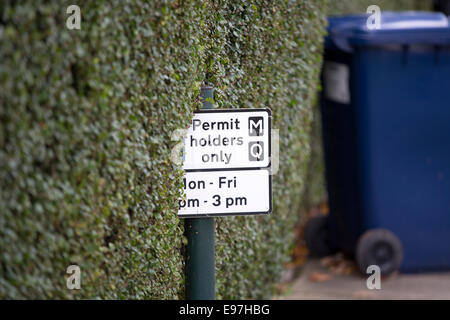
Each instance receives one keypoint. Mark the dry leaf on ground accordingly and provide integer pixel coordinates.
(319, 277)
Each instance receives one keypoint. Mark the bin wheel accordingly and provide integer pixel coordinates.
(316, 236)
(379, 247)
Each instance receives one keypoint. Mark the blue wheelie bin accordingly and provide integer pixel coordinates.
(386, 127)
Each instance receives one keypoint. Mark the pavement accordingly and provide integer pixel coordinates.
(318, 281)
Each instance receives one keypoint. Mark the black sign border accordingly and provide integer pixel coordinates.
(226, 214)
(268, 167)
(240, 110)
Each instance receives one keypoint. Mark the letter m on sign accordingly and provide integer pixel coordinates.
(255, 126)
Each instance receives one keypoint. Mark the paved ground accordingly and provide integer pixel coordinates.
(318, 282)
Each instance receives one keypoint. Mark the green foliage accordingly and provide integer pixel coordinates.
(86, 118)
(273, 59)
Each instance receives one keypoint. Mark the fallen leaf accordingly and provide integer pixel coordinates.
(319, 277)
(364, 294)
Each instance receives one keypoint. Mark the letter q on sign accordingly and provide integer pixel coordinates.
(256, 151)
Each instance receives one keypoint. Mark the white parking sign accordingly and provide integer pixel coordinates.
(228, 139)
(227, 162)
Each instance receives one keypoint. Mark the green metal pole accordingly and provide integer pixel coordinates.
(199, 254)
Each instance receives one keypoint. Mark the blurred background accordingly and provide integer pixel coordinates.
(382, 130)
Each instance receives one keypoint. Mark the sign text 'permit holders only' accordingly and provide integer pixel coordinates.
(228, 139)
(227, 163)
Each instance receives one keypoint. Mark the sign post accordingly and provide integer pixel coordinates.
(199, 255)
(227, 162)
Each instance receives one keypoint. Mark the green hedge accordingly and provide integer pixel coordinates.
(86, 118)
(273, 61)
